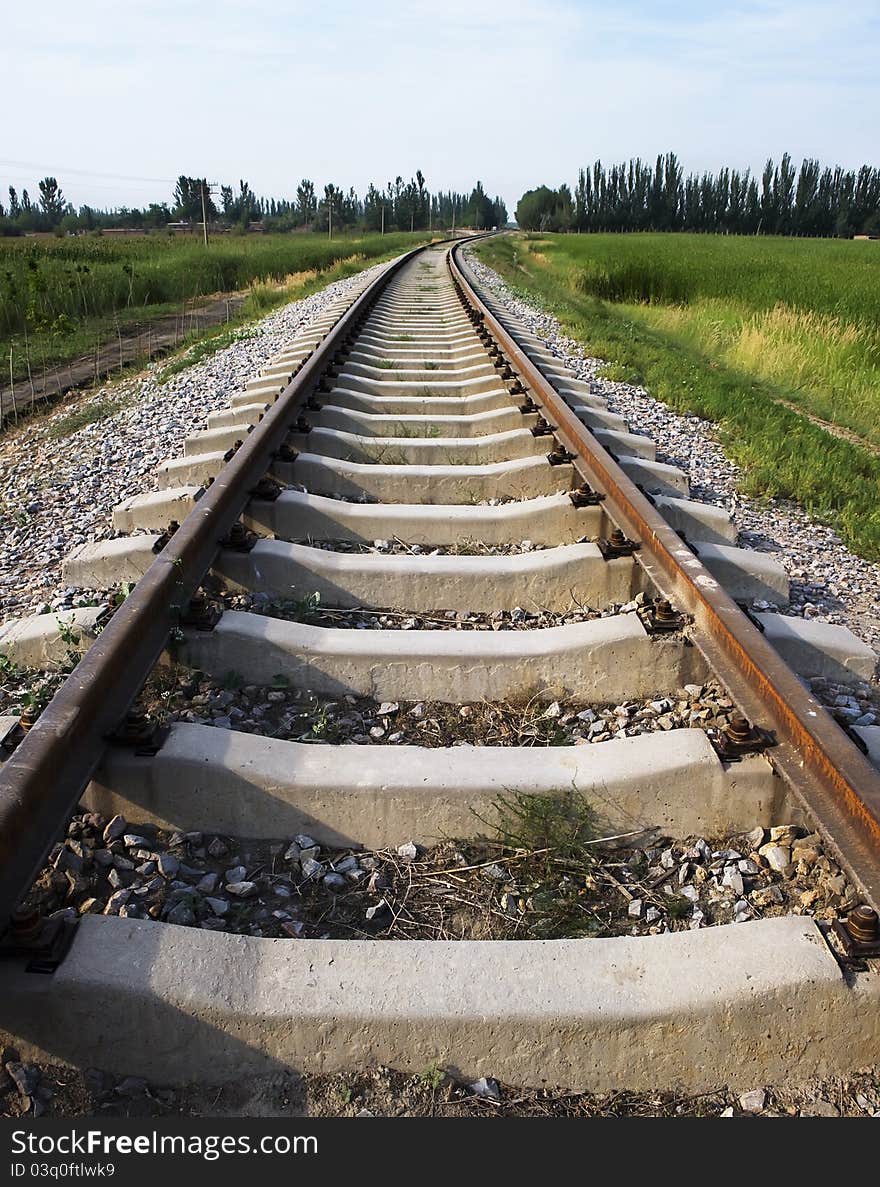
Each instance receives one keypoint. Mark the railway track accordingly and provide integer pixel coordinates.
(498, 487)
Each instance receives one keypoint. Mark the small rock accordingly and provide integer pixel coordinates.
(235, 874)
(25, 1076)
(820, 1108)
(241, 889)
(312, 868)
(754, 1101)
(218, 905)
(767, 896)
(377, 909)
(777, 857)
(784, 834)
(168, 866)
(486, 1087)
(305, 842)
(408, 851)
(115, 829)
(182, 914)
(634, 909)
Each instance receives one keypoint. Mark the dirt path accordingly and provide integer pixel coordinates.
(136, 340)
(833, 429)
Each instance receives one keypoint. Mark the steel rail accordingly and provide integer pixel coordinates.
(42, 780)
(834, 781)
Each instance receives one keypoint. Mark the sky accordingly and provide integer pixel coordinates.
(117, 99)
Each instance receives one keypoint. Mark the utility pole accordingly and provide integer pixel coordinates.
(330, 217)
(453, 218)
(209, 186)
(204, 216)
(383, 218)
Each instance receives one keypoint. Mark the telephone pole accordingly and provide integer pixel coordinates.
(209, 187)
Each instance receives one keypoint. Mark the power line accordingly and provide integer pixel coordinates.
(85, 172)
(15, 179)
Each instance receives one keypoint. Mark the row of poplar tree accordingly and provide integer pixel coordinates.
(400, 205)
(638, 196)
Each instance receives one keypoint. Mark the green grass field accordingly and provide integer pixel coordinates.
(60, 297)
(756, 334)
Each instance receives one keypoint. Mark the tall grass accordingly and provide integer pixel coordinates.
(740, 363)
(834, 276)
(823, 363)
(801, 313)
(58, 297)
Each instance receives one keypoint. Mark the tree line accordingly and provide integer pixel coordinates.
(638, 196)
(397, 206)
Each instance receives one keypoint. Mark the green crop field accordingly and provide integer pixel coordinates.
(60, 297)
(764, 336)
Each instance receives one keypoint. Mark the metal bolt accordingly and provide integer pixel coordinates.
(739, 729)
(27, 923)
(664, 612)
(29, 717)
(863, 925)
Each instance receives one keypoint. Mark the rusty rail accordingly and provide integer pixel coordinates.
(835, 782)
(41, 782)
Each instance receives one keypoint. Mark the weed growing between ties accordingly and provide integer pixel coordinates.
(710, 333)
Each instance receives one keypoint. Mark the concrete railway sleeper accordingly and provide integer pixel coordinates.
(415, 579)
